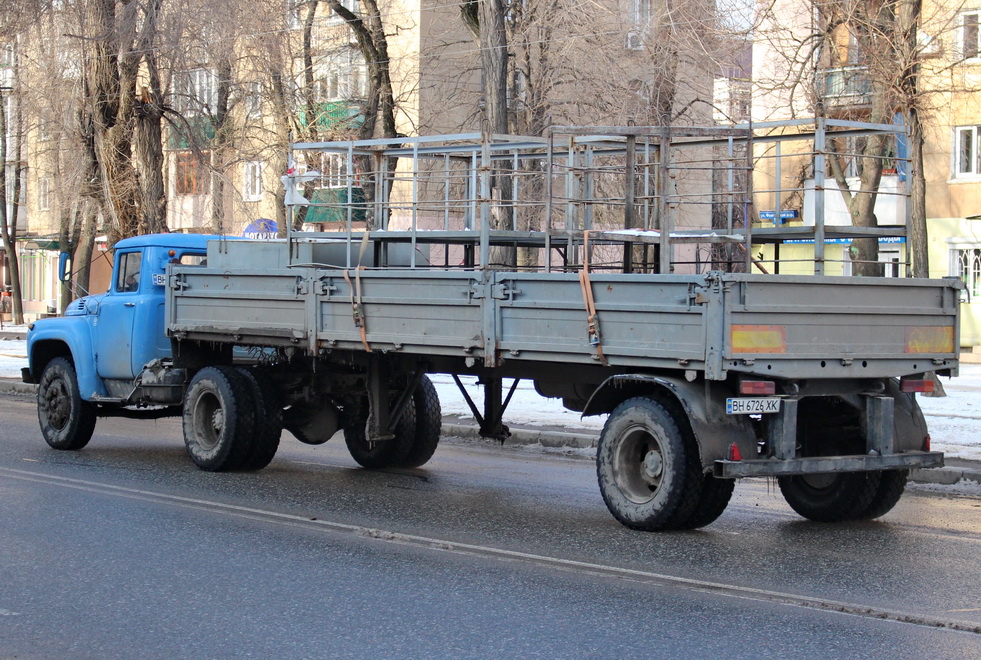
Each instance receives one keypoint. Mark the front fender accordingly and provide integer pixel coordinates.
(69, 336)
(702, 401)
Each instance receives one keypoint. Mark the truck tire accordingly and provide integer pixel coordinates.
(892, 483)
(268, 419)
(219, 419)
(383, 453)
(428, 424)
(647, 469)
(712, 502)
(830, 497)
(67, 422)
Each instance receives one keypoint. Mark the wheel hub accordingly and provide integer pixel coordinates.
(57, 405)
(218, 421)
(653, 465)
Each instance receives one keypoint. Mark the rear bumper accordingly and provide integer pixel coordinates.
(773, 467)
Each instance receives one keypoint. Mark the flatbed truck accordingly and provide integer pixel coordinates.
(706, 376)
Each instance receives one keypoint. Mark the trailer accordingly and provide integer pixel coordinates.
(613, 267)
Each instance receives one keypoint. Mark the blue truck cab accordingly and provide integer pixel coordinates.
(93, 356)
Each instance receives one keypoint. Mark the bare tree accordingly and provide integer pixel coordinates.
(882, 41)
(8, 211)
(122, 42)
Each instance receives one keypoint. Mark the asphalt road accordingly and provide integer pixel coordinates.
(125, 549)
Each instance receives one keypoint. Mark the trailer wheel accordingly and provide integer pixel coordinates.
(892, 483)
(383, 453)
(67, 422)
(428, 424)
(645, 467)
(219, 419)
(268, 419)
(712, 502)
(830, 497)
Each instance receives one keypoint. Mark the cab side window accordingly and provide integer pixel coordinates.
(128, 274)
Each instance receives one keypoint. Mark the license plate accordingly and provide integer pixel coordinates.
(752, 406)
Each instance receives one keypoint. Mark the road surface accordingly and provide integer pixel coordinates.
(125, 549)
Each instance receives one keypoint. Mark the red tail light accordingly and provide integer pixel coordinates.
(926, 443)
(734, 453)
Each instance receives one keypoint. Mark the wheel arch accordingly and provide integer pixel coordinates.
(703, 403)
(48, 343)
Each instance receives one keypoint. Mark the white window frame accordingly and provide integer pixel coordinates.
(333, 171)
(44, 193)
(252, 188)
(966, 166)
(965, 263)
(354, 6)
(891, 257)
(199, 90)
(969, 22)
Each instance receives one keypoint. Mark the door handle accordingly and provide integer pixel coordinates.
(129, 304)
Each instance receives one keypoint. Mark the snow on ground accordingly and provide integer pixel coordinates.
(954, 420)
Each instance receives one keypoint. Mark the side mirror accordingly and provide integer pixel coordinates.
(65, 266)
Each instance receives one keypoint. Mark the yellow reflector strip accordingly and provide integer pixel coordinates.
(929, 339)
(759, 339)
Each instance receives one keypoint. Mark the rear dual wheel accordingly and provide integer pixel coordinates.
(845, 495)
(416, 434)
(231, 420)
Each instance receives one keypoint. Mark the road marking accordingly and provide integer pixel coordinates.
(9, 613)
(646, 577)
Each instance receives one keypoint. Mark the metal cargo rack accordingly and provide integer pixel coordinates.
(640, 199)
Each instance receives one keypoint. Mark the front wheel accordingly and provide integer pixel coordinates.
(67, 422)
(647, 470)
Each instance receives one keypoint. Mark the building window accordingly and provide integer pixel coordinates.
(641, 13)
(354, 6)
(253, 100)
(966, 264)
(44, 194)
(252, 183)
(7, 61)
(333, 171)
(44, 129)
(197, 91)
(969, 35)
(967, 159)
(191, 174)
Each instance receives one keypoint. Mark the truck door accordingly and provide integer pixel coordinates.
(115, 321)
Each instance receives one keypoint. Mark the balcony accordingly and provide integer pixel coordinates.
(844, 86)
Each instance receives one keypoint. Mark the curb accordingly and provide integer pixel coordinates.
(945, 476)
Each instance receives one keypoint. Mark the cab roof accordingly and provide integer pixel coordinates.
(179, 241)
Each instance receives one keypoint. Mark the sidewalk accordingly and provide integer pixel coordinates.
(552, 436)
